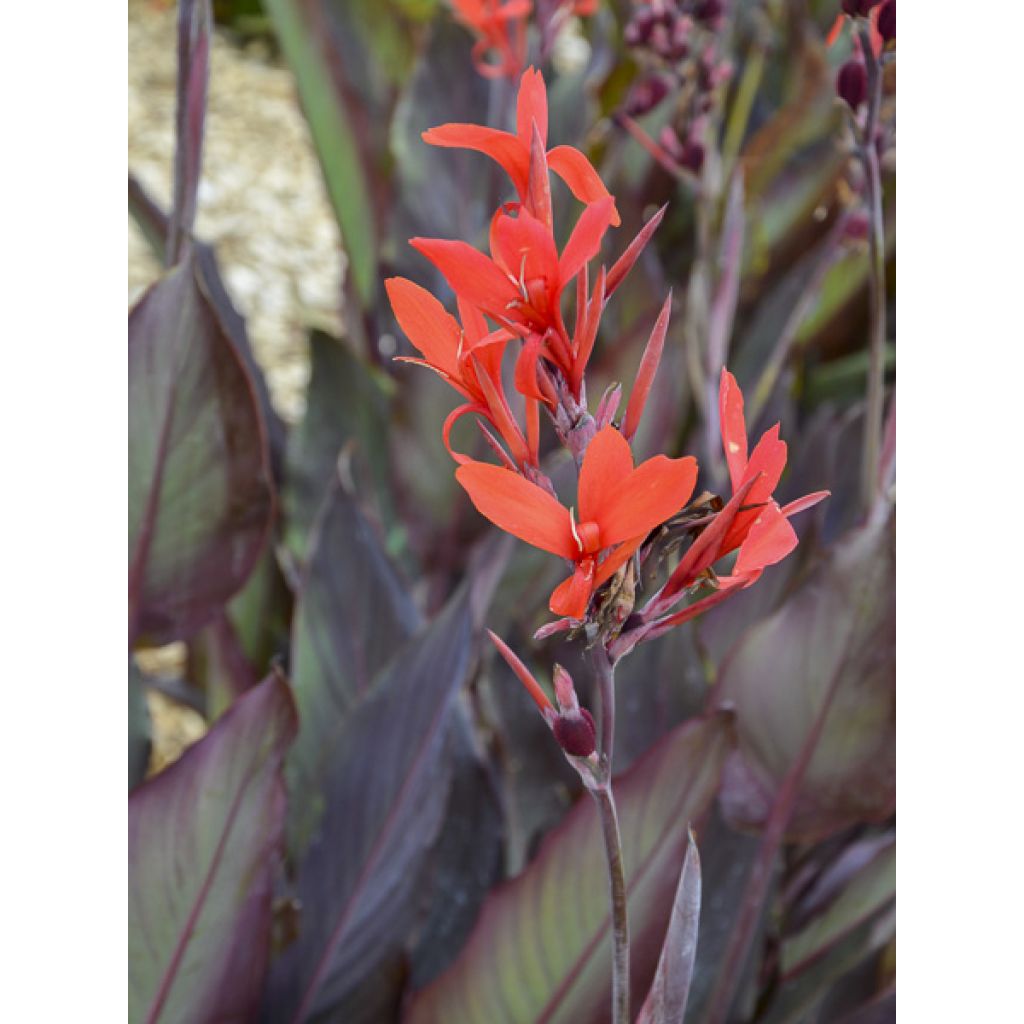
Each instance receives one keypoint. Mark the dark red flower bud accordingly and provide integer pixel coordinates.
(575, 733)
(638, 31)
(645, 95)
(858, 8)
(887, 21)
(710, 12)
(852, 83)
(692, 156)
(681, 39)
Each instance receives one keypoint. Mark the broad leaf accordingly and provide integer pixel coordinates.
(666, 1002)
(832, 641)
(205, 839)
(864, 893)
(200, 499)
(388, 790)
(467, 860)
(346, 410)
(541, 949)
(352, 615)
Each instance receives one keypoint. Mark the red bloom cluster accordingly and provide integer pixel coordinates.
(500, 27)
(515, 294)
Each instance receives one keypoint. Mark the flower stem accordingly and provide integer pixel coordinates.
(617, 888)
(876, 240)
(602, 793)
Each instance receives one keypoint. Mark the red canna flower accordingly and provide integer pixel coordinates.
(500, 28)
(618, 506)
(512, 152)
(521, 284)
(468, 357)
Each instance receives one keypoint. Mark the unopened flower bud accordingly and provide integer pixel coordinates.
(680, 46)
(565, 692)
(575, 733)
(852, 83)
(858, 8)
(710, 12)
(857, 226)
(638, 31)
(646, 95)
(660, 41)
(887, 21)
(693, 156)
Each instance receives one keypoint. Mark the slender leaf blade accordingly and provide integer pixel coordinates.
(666, 1001)
(331, 127)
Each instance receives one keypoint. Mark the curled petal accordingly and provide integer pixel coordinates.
(502, 147)
(579, 174)
(525, 378)
(449, 422)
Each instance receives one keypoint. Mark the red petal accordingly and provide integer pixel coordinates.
(427, 324)
(622, 554)
(531, 106)
(502, 147)
(607, 464)
(579, 174)
(446, 430)
(470, 273)
(572, 596)
(525, 378)
(585, 241)
(769, 458)
(645, 374)
(733, 426)
(804, 503)
(518, 507)
(525, 676)
(770, 539)
(624, 264)
(656, 490)
(524, 247)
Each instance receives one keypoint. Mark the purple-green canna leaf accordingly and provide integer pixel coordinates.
(832, 641)
(205, 840)
(200, 498)
(666, 1001)
(352, 614)
(540, 951)
(386, 777)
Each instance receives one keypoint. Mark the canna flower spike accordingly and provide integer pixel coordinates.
(512, 152)
(618, 506)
